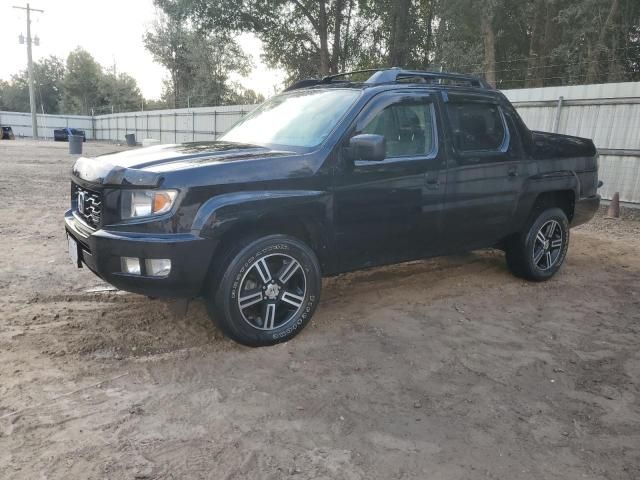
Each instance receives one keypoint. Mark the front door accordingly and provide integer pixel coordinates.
(389, 211)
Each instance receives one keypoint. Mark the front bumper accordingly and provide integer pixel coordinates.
(585, 209)
(101, 250)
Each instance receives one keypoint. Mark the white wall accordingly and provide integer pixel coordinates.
(168, 126)
(171, 126)
(21, 123)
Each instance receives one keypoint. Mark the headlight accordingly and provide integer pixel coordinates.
(145, 203)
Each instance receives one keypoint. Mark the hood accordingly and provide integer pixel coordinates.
(145, 166)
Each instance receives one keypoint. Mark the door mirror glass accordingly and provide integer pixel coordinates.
(368, 147)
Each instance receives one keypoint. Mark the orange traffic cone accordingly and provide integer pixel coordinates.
(614, 206)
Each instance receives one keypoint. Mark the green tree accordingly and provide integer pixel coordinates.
(155, 104)
(120, 91)
(240, 95)
(459, 45)
(48, 75)
(544, 42)
(310, 38)
(200, 63)
(82, 83)
(169, 43)
(599, 40)
(15, 94)
(79, 88)
(402, 32)
(304, 37)
(4, 87)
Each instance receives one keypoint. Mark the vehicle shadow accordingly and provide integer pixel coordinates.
(113, 325)
(431, 272)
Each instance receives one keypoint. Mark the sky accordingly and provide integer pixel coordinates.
(111, 31)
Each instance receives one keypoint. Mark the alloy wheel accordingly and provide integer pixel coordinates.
(547, 246)
(272, 291)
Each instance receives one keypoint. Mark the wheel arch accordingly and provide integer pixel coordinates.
(562, 199)
(555, 189)
(302, 214)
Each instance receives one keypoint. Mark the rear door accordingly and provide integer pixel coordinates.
(484, 171)
(389, 211)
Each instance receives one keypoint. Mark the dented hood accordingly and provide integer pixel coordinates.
(145, 166)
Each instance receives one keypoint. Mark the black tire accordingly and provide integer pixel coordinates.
(536, 254)
(276, 303)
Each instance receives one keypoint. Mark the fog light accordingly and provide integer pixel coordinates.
(130, 265)
(158, 267)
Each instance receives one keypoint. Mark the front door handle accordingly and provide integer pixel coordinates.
(512, 172)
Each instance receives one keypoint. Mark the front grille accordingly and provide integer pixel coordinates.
(86, 204)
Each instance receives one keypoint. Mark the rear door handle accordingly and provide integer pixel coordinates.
(432, 181)
(512, 172)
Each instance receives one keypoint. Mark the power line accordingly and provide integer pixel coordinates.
(526, 59)
(541, 67)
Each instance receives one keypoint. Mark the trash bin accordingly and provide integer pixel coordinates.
(75, 144)
(131, 139)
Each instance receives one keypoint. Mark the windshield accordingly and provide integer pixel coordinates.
(300, 119)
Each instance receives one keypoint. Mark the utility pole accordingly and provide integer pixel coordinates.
(32, 92)
(113, 90)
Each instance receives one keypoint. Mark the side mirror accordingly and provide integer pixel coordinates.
(368, 147)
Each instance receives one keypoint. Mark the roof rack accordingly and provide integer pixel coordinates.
(310, 82)
(392, 75)
(395, 75)
(329, 78)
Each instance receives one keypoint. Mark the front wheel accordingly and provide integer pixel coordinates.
(538, 253)
(267, 292)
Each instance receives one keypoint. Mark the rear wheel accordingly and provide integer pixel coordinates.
(538, 253)
(267, 291)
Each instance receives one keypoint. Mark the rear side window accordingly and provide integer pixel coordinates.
(407, 127)
(476, 126)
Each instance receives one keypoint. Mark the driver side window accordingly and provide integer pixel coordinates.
(407, 128)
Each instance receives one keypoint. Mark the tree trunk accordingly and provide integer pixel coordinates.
(336, 52)
(489, 40)
(398, 46)
(551, 37)
(174, 75)
(345, 47)
(534, 62)
(593, 69)
(428, 39)
(615, 72)
(323, 34)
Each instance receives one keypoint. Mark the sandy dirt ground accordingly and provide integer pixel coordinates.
(440, 369)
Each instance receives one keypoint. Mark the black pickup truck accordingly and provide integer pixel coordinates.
(330, 176)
